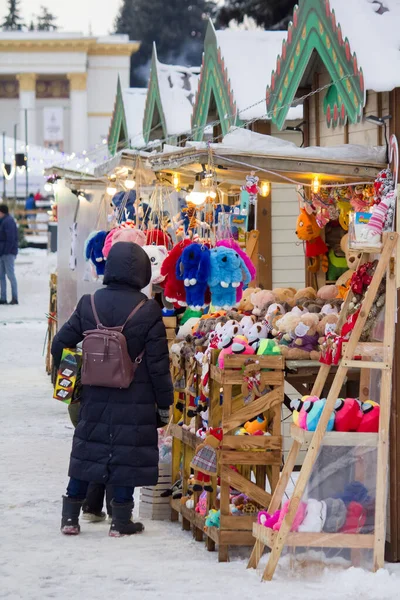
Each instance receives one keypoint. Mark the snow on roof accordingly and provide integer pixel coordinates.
(243, 140)
(178, 86)
(63, 35)
(250, 57)
(134, 106)
(373, 30)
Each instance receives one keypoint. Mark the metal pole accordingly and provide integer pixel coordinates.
(4, 163)
(15, 172)
(26, 154)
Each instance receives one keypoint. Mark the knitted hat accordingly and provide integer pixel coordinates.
(315, 518)
(354, 491)
(335, 515)
(355, 518)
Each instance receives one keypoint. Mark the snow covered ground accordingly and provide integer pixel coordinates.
(36, 562)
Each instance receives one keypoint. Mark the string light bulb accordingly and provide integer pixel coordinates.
(315, 185)
(265, 188)
(111, 189)
(130, 184)
(176, 182)
(212, 194)
(48, 187)
(197, 196)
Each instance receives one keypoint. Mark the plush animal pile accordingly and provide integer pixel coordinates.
(349, 414)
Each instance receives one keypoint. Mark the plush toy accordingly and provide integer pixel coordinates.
(337, 265)
(348, 414)
(135, 236)
(268, 348)
(301, 409)
(175, 491)
(174, 288)
(94, 251)
(259, 331)
(315, 516)
(239, 346)
(246, 324)
(328, 292)
(261, 300)
(284, 295)
(303, 294)
(284, 329)
(246, 305)
(314, 412)
(226, 332)
(156, 237)
(298, 519)
(204, 461)
(306, 338)
(251, 187)
(257, 426)
(108, 242)
(230, 243)
(227, 272)
(352, 259)
(307, 230)
(370, 421)
(201, 506)
(124, 203)
(156, 255)
(213, 518)
(193, 268)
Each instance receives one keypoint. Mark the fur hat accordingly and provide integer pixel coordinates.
(335, 515)
(315, 517)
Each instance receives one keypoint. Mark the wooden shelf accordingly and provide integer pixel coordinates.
(185, 436)
(314, 540)
(335, 438)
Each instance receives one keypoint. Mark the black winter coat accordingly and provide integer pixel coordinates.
(116, 439)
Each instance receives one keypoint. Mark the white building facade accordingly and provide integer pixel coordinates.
(61, 86)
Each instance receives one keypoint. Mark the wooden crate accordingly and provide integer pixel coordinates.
(151, 504)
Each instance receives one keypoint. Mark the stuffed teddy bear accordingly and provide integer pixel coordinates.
(156, 255)
(94, 251)
(283, 295)
(193, 268)
(303, 294)
(328, 293)
(352, 259)
(285, 327)
(326, 325)
(306, 338)
(246, 305)
(204, 461)
(308, 231)
(260, 300)
(174, 288)
(230, 243)
(227, 272)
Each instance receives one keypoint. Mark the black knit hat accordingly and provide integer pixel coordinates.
(4, 209)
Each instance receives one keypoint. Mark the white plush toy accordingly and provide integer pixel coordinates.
(157, 255)
(258, 332)
(228, 332)
(246, 324)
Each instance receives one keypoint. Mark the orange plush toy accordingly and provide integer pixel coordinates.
(307, 230)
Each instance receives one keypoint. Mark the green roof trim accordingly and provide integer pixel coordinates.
(118, 137)
(213, 81)
(153, 102)
(314, 28)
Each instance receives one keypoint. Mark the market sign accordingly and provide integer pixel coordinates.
(53, 128)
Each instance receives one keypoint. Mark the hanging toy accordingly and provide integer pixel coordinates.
(156, 237)
(230, 243)
(157, 255)
(174, 288)
(94, 250)
(308, 231)
(193, 268)
(134, 236)
(227, 271)
(251, 187)
(344, 210)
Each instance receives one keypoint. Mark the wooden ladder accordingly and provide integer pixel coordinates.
(276, 540)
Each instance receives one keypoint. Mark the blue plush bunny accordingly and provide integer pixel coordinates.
(94, 250)
(128, 211)
(314, 412)
(228, 271)
(193, 268)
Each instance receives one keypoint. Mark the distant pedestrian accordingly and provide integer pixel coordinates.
(115, 441)
(8, 253)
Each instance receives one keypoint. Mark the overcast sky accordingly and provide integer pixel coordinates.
(73, 15)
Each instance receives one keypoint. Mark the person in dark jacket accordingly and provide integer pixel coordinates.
(115, 441)
(8, 253)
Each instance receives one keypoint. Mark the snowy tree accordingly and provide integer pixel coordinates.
(270, 14)
(176, 26)
(13, 21)
(46, 21)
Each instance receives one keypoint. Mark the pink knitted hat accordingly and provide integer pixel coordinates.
(135, 236)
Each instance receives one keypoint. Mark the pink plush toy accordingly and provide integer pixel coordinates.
(239, 346)
(299, 518)
(135, 236)
(108, 242)
(260, 300)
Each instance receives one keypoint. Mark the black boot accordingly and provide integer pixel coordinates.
(70, 516)
(121, 523)
(93, 504)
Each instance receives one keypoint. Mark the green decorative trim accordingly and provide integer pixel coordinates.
(314, 28)
(213, 80)
(118, 136)
(153, 102)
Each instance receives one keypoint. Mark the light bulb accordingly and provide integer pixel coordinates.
(265, 188)
(197, 195)
(315, 185)
(48, 187)
(176, 182)
(130, 184)
(213, 194)
(111, 190)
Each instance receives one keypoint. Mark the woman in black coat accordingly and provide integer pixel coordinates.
(115, 441)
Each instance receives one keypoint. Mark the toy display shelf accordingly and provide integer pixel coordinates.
(258, 455)
(170, 326)
(385, 271)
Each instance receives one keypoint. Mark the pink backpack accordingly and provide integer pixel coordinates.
(105, 357)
